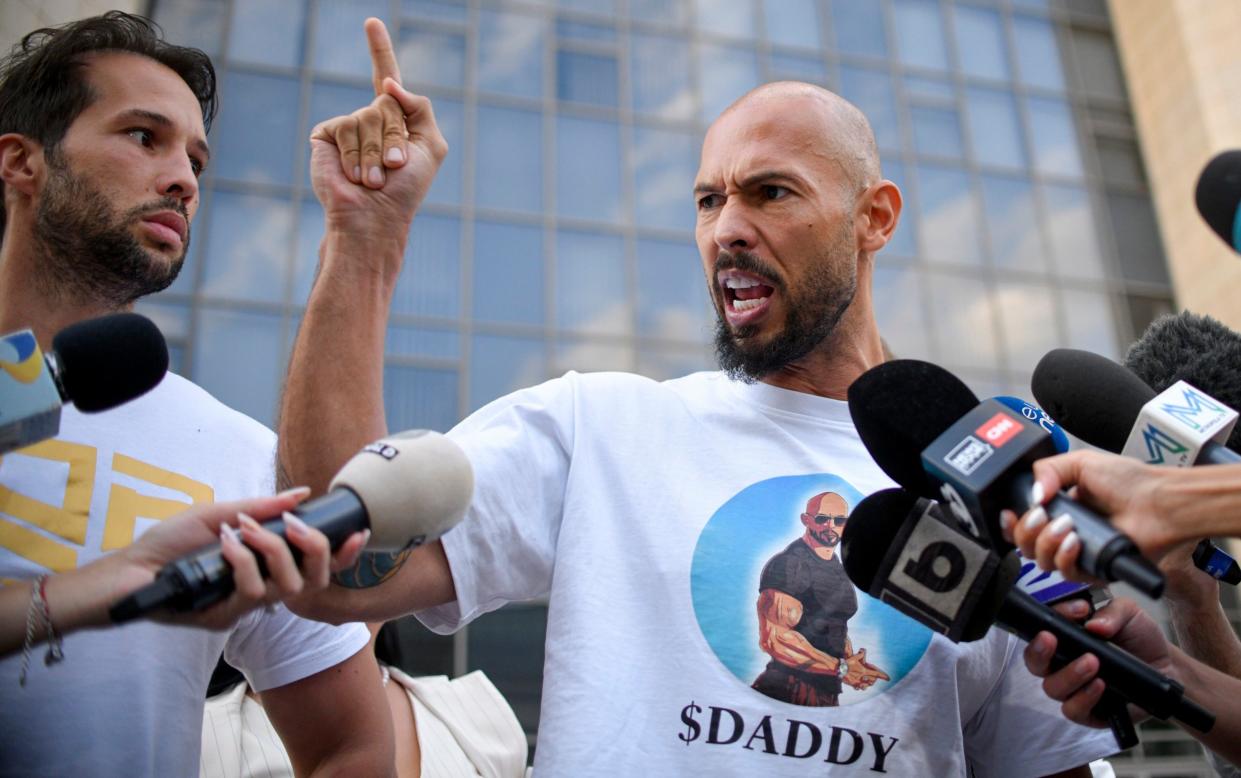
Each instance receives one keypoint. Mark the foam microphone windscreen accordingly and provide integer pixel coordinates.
(872, 525)
(110, 360)
(899, 408)
(1218, 196)
(1192, 348)
(1090, 396)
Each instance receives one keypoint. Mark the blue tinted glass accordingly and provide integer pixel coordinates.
(902, 242)
(947, 216)
(792, 67)
(195, 23)
(441, 10)
(1091, 322)
(1137, 238)
(672, 295)
(431, 57)
(994, 128)
(673, 12)
(422, 342)
(674, 362)
(339, 44)
(586, 78)
(937, 131)
(508, 273)
(245, 379)
(929, 89)
(420, 398)
(330, 100)
(172, 319)
(499, 365)
(258, 116)
(591, 286)
(450, 116)
(607, 7)
(1028, 315)
(900, 311)
(585, 354)
(664, 164)
(1012, 221)
(248, 247)
(964, 324)
(588, 179)
(1054, 138)
(920, 34)
(581, 31)
(792, 22)
(310, 231)
(1038, 54)
(267, 32)
(732, 18)
(1071, 227)
(510, 53)
(980, 43)
(509, 168)
(858, 28)
(430, 282)
(872, 92)
(728, 72)
(659, 75)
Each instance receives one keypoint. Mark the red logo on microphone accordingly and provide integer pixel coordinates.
(999, 429)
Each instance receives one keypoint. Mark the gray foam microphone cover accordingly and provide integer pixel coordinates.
(416, 485)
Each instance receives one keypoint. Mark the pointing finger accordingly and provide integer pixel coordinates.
(383, 56)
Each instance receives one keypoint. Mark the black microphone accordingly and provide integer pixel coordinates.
(1218, 197)
(903, 551)
(408, 489)
(96, 364)
(928, 431)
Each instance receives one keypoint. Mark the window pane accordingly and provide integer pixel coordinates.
(947, 216)
(510, 53)
(587, 78)
(728, 72)
(267, 32)
(964, 325)
(792, 22)
(672, 296)
(980, 43)
(929, 90)
(872, 92)
(1011, 218)
(245, 379)
(902, 242)
(430, 282)
(664, 363)
(499, 365)
(1098, 69)
(310, 231)
(567, 29)
(248, 247)
(588, 169)
(1038, 54)
(195, 23)
(900, 312)
(509, 167)
(1091, 324)
(671, 12)
(446, 188)
(1120, 161)
(592, 290)
(659, 72)
(1137, 238)
(257, 119)
(732, 18)
(420, 398)
(937, 132)
(994, 128)
(432, 57)
(920, 34)
(858, 28)
(792, 67)
(1028, 314)
(665, 164)
(1054, 138)
(584, 355)
(338, 32)
(508, 273)
(607, 7)
(1071, 225)
(422, 342)
(442, 10)
(331, 100)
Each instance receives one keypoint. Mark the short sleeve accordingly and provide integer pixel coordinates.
(275, 647)
(786, 572)
(1020, 732)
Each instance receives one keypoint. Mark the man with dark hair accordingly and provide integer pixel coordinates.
(102, 139)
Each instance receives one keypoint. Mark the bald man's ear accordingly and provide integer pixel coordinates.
(21, 163)
(880, 211)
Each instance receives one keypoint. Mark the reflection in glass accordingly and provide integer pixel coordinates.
(1137, 238)
(586, 78)
(430, 282)
(338, 32)
(920, 34)
(267, 32)
(903, 241)
(929, 89)
(591, 355)
(937, 131)
(331, 100)
(588, 160)
(964, 324)
(592, 290)
(792, 22)
(730, 18)
(195, 23)
(499, 365)
(508, 273)
(248, 247)
(245, 379)
(994, 128)
(1028, 315)
(980, 42)
(593, 6)
(250, 142)
(664, 164)
(1092, 325)
(947, 216)
(566, 29)
(1038, 54)
(670, 12)
(431, 57)
(1074, 243)
(858, 28)
(728, 72)
(510, 53)
(420, 398)
(900, 311)
(1012, 219)
(872, 92)
(509, 167)
(1054, 137)
(672, 296)
(659, 76)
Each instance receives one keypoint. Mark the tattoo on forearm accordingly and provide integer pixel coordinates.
(372, 569)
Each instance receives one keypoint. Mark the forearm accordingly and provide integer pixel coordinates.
(76, 599)
(1201, 502)
(1218, 693)
(1202, 630)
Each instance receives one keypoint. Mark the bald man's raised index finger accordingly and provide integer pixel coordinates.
(383, 56)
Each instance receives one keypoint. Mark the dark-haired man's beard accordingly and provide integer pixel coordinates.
(89, 253)
(814, 310)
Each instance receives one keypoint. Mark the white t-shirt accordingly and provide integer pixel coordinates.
(646, 513)
(129, 700)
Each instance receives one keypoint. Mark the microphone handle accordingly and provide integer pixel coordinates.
(1129, 677)
(1213, 453)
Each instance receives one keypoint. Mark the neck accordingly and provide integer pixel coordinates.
(834, 364)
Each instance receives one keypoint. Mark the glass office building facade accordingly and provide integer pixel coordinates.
(559, 233)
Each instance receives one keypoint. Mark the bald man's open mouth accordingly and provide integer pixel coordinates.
(746, 296)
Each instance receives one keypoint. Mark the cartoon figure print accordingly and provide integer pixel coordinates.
(804, 604)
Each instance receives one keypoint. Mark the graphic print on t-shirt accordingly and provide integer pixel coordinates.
(775, 606)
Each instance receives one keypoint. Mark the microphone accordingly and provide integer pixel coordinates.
(901, 549)
(1218, 196)
(1039, 417)
(928, 431)
(95, 364)
(408, 489)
